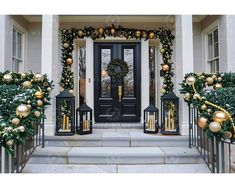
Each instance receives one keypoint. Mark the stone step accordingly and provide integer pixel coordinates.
(117, 138)
(117, 125)
(77, 168)
(115, 155)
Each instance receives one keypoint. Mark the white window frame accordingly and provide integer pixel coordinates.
(21, 30)
(205, 33)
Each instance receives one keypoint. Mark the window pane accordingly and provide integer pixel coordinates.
(215, 33)
(152, 75)
(82, 74)
(214, 65)
(210, 39)
(129, 78)
(105, 78)
(14, 43)
(216, 49)
(19, 45)
(210, 51)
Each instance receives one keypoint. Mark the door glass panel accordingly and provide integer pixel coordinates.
(82, 75)
(152, 75)
(105, 78)
(129, 78)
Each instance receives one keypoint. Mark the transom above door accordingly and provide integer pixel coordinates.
(117, 101)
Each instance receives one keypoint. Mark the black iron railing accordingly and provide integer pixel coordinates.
(217, 155)
(16, 162)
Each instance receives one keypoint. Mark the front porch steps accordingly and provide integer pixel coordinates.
(116, 150)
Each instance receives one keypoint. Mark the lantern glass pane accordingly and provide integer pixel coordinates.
(170, 116)
(65, 116)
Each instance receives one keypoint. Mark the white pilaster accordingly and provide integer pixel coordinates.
(90, 74)
(50, 64)
(184, 63)
(226, 43)
(144, 76)
(2, 43)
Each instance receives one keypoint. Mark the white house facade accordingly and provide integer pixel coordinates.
(33, 43)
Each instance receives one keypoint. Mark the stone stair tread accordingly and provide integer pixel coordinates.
(51, 151)
(78, 168)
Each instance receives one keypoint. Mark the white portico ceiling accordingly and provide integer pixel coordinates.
(113, 18)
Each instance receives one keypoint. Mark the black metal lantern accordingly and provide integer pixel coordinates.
(170, 114)
(65, 114)
(84, 119)
(151, 118)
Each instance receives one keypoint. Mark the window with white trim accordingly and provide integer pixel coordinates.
(17, 50)
(213, 50)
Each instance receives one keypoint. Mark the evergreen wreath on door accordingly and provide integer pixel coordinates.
(117, 69)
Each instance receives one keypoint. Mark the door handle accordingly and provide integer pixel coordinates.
(119, 93)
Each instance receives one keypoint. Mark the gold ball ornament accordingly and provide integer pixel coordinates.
(228, 134)
(196, 96)
(219, 79)
(9, 143)
(101, 30)
(80, 33)
(21, 128)
(23, 75)
(209, 80)
(163, 91)
(66, 45)
(187, 96)
(203, 107)
(27, 84)
(137, 34)
(165, 67)
(214, 76)
(162, 50)
(214, 126)
(49, 89)
(29, 106)
(190, 80)
(15, 121)
(22, 110)
(164, 86)
(112, 31)
(144, 34)
(37, 113)
(220, 116)
(218, 86)
(38, 77)
(69, 61)
(151, 35)
(39, 102)
(7, 77)
(71, 91)
(39, 94)
(202, 122)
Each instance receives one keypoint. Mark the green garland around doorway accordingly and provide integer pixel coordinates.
(163, 35)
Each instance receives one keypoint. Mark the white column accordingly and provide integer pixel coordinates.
(2, 42)
(184, 63)
(144, 76)
(90, 74)
(50, 65)
(226, 43)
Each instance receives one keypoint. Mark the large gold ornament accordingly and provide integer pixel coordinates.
(37, 113)
(209, 80)
(7, 77)
(15, 121)
(112, 31)
(27, 84)
(214, 126)
(162, 50)
(190, 80)
(22, 110)
(66, 45)
(38, 77)
(39, 94)
(187, 96)
(165, 67)
(202, 122)
(218, 86)
(151, 35)
(163, 91)
(101, 30)
(137, 34)
(69, 61)
(220, 116)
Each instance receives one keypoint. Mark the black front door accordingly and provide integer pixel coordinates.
(109, 105)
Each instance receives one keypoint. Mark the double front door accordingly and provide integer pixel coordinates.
(117, 101)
